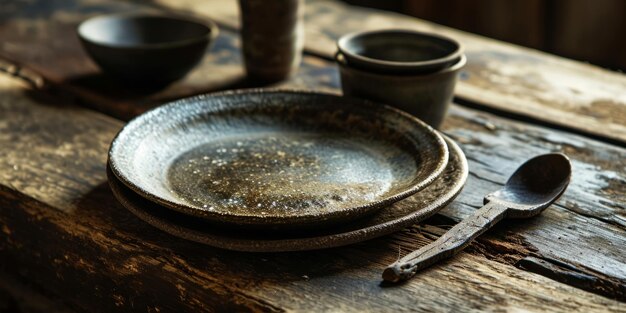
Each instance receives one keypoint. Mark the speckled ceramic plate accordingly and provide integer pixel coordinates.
(385, 221)
(276, 159)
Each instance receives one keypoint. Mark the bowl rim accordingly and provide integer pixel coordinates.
(415, 65)
(342, 62)
(212, 30)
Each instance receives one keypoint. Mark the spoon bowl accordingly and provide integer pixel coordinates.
(534, 185)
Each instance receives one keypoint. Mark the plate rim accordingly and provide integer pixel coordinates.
(316, 242)
(277, 220)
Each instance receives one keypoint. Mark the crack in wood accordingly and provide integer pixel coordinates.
(33, 79)
(485, 179)
(575, 276)
(621, 225)
(514, 250)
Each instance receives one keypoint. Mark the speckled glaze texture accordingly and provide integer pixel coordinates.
(385, 221)
(276, 159)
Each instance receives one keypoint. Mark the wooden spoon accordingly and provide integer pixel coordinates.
(532, 188)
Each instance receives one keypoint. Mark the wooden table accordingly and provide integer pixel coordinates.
(67, 245)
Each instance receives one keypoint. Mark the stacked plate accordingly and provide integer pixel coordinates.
(259, 170)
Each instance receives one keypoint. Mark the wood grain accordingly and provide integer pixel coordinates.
(108, 259)
(63, 231)
(598, 196)
(499, 76)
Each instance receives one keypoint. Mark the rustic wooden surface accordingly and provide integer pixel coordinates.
(499, 76)
(31, 44)
(65, 236)
(65, 232)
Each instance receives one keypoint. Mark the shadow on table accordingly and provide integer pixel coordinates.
(115, 89)
(100, 206)
(124, 100)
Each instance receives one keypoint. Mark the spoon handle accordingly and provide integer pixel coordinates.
(450, 243)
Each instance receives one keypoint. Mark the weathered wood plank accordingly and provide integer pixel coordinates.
(498, 75)
(598, 197)
(80, 244)
(602, 208)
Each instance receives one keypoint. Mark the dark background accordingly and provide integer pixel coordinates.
(593, 31)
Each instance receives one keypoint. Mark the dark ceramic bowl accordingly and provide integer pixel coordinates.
(399, 51)
(146, 49)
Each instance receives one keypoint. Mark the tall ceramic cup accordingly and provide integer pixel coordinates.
(272, 33)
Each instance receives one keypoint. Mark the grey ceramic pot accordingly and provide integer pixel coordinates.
(272, 34)
(425, 96)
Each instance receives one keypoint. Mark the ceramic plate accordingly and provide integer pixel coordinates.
(385, 221)
(276, 159)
